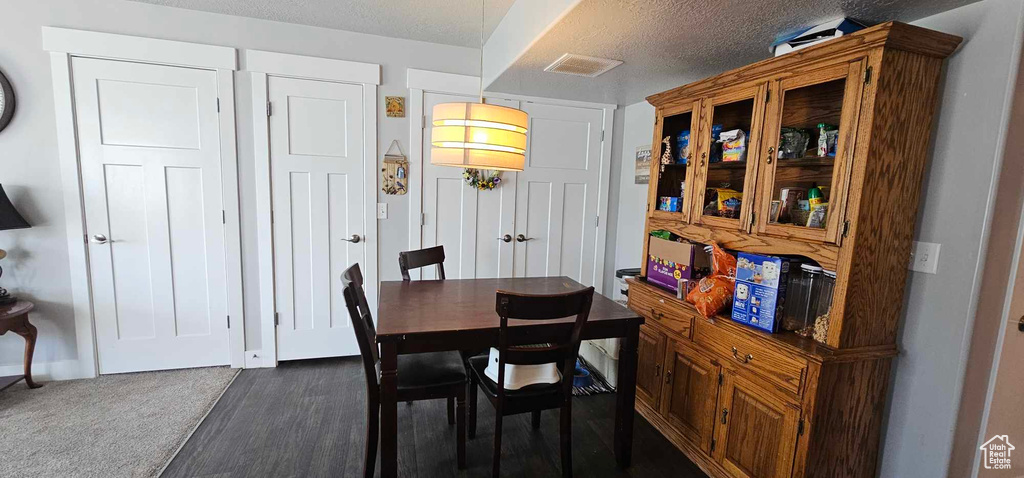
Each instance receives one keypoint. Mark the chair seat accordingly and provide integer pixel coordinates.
(430, 370)
(478, 365)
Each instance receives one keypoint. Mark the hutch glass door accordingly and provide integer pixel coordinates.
(672, 159)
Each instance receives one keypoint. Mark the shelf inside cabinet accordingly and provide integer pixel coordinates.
(806, 162)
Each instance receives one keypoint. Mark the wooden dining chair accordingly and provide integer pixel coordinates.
(408, 260)
(516, 350)
(423, 376)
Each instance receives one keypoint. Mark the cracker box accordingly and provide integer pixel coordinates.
(760, 291)
(669, 261)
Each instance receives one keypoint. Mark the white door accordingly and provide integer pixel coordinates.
(150, 157)
(470, 224)
(558, 192)
(316, 166)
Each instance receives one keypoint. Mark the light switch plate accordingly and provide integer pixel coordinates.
(382, 210)
(924, 257)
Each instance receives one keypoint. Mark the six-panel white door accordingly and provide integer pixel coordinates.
(470, 224)
(151, 176)
(316, 164)
(557, 194)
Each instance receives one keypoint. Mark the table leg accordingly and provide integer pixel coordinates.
(626, 397)
(388, 410)
(29, 332)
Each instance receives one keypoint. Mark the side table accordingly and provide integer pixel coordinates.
(14, 318)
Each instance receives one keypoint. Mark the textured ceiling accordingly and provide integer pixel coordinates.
(667, 43)
(451, 22)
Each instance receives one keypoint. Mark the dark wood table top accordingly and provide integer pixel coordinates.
(468, 305)
(16, 309)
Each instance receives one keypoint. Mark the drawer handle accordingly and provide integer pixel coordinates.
(745, 359)
(657, 315)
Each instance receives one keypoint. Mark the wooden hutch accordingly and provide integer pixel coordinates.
(744, 403)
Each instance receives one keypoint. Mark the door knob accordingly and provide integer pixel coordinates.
(522, 238)
(506, 238)
(354, 240)
(100, 239)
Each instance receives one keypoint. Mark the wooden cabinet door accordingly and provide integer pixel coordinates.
(757, 430)
(691, 394)
(650, 353)
(716, 174)
(801, 106)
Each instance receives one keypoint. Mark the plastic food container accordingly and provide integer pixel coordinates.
(802, 300)
(828, 285)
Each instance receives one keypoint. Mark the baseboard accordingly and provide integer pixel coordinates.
(48, 371)
(254, 359)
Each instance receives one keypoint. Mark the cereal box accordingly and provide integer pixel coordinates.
(760, 290)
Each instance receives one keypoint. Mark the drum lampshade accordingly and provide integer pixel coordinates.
(478, 136)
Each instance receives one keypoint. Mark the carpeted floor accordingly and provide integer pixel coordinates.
(111, 426)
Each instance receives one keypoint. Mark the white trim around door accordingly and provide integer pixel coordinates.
(262, 64)
(421, 81)
(64, 44)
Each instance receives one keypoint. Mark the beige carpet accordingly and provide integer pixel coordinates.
(111, 426)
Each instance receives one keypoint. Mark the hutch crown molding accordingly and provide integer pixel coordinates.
(744, 403)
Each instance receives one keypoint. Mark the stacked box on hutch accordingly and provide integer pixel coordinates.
(741, 402)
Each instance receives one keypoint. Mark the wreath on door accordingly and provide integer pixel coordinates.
(484, 180)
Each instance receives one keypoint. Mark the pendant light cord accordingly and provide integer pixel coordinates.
(483, 7)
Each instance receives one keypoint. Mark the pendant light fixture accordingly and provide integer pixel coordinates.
(478, 135)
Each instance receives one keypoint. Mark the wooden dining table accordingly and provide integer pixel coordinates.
(438, 315)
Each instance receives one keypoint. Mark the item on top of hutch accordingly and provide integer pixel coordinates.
(804, 309)
(682, 146)
(714, 292)
(742, 402)
(760, 294)
(666, 152)
(668, 203)
(668, 261)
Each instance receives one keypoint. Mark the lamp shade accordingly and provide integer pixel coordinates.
(9, 217)
(478, 136)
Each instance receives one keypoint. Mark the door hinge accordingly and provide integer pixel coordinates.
(218, 105)
(223, 217)
(229, 321)
(602, 135)
(846, 228)
(597, 221)
(423, 219)
(720, 378)
(753, 219)
(768, 95)
(423, 125)
(277, 320)
(800, 427)
(271, 216)
(85, 238)
(712, 445)
(270, 110)
(867, 76)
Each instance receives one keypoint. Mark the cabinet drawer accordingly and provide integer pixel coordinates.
(659, 307)
(783, 370)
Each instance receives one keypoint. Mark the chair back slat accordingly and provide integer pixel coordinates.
(409, 260)
(510, 305)
(362, 323)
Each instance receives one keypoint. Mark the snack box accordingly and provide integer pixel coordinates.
(760, 291)
(669, 203)
(669, 261)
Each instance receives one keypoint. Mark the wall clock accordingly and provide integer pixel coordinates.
(6, 102)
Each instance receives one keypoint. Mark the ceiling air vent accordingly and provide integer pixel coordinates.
(580, 65)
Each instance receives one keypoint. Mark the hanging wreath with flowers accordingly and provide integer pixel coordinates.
(484, 180)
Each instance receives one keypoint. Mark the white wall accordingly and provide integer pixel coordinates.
(37, 266)
(956, 209)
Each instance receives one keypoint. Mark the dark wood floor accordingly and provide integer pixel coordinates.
(307, 418)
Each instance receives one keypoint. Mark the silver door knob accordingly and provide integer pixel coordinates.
(522, 238)
(506, 238)
(99, 239)
(354, 240)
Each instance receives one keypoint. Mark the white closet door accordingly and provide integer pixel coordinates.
(467, 222)
(151, 176)
(557, 194)
(316, 163)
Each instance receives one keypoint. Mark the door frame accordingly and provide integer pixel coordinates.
(261, 65)
(63, 44)
(426, 81)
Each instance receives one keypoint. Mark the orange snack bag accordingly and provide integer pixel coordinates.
(714, 292)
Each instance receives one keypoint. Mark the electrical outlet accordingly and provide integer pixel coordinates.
(382, 210)
(924, 257)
